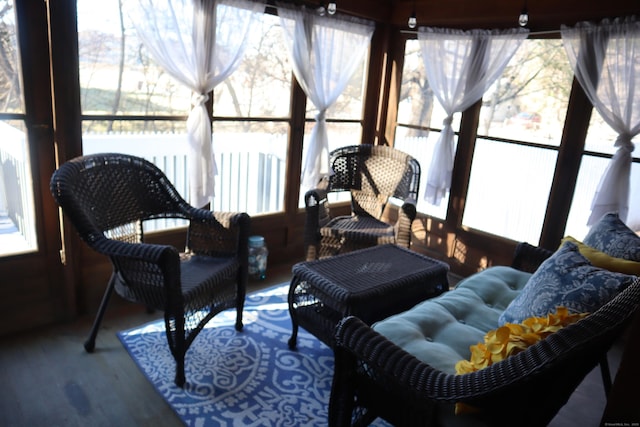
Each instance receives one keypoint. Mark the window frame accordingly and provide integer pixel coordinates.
(449, 236)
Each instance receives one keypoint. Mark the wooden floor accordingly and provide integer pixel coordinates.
(49, 380)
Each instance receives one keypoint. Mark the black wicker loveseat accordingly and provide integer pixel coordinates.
(376, 378)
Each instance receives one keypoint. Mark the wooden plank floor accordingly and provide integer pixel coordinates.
(49, 380)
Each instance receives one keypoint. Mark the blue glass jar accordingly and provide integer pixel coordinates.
(257, 258)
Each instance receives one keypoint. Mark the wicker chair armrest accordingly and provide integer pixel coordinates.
(148, 273)
(232, 219)
(406, 214)
(146, 252)
(147, 263)
(528, 257)
(218, 233)
(317, 215)
(315, 200)
(317, 207)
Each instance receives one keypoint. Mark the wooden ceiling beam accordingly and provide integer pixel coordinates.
(544, 15)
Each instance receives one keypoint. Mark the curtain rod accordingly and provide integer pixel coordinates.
(272, 5)
(531, 33)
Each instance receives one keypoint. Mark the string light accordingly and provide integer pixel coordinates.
(413, 21)
(523, 19)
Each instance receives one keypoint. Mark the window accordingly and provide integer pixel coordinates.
(344, 122)
(420, 118)
(132, 105)
(251, 125)
(518, 137)
(599, 147)
(17, 213)
(521, 122)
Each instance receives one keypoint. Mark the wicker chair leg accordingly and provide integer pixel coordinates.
(293, 340)
(239, 324)
(90, 343)
(240, 297)
(606, 374)
(180, 376)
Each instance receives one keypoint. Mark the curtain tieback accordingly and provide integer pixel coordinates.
(624, 142)
(321, 116)
(447, 121)
(199, 98)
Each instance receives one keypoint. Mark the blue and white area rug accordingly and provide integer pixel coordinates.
(248, 378)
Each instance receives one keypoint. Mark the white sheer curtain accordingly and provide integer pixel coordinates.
(460, 67)
(199, 43)
(325, 52)
(606, 61)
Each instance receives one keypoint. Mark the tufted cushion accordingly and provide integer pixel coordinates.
(612, 236)
(439, 331)
(565, 279)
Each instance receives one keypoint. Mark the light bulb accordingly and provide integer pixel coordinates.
(412, 21)
(523, 19)
(331, 8)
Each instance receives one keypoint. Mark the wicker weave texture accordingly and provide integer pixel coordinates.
(108, 197)
(371, 283)
(373, 377)
(372, 175)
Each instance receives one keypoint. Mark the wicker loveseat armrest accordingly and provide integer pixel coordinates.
(373, 368)
(528, 258)
(374, 377)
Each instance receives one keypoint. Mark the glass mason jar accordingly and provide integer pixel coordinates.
(257, 258)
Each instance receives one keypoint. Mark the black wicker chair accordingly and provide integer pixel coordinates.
(372, 174)
(375, 378)
(108, 197)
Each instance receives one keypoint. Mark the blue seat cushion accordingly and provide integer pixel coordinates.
(440, 330)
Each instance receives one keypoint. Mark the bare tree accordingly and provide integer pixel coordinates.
(540, 66)
(416, 90)
(10, 95)
(415, 87)
(121, 63)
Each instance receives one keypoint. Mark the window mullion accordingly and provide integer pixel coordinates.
(567, 167)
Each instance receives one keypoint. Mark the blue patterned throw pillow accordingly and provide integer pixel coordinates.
(565, 279)
(612, 236)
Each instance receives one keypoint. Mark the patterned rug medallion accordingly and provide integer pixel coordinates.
(247, 378)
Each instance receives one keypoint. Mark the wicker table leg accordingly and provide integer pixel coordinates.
(293, 313)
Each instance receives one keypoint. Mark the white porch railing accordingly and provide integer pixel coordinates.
(16, 195)
(250, 167)
(250, 178)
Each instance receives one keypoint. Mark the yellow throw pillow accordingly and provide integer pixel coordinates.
(602, 260)
(511, 339)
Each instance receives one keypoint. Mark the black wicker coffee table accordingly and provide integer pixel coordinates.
(371, 284)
